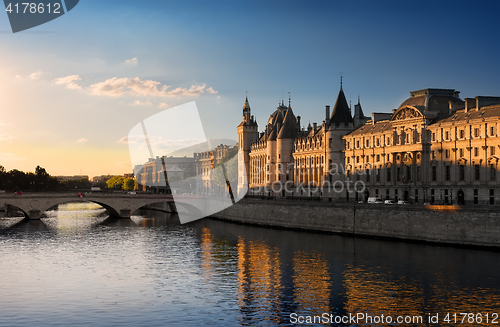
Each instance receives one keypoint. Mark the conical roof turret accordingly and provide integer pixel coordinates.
(289, 128)
(341, 112)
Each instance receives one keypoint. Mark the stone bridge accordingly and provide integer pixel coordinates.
(188, 207)
(118, 205)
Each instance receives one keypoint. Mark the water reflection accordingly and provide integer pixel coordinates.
(73, 218)
(82, 268)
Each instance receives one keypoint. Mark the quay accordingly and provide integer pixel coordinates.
(459, 225)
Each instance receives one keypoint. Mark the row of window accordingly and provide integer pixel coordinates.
(408, 139)
(406, 174)
(447, 154)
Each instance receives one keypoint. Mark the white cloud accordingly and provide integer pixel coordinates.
(141, 103)
(10, 157)
(36, 75)
(211, 90)
(164, 105)
(132, 61)
(82, 140)
(115, 87)
(69, 81)
(6, 137)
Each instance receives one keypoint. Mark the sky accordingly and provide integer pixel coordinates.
(73, 88)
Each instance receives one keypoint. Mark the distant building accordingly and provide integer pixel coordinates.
(434, 148)
(151, 175)
(72, 178)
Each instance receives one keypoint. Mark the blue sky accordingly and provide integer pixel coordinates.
(57, 110)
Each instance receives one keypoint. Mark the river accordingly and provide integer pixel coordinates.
(77, 267)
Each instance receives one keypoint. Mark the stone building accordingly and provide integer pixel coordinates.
(205, 164)
(285, 155)
(151, 175)
(434, 148)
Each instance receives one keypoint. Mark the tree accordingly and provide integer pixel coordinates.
(128, 184)
(115, 182)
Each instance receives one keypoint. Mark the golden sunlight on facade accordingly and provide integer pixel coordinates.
(434, 148)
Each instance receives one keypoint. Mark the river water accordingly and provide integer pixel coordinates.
(78, 268)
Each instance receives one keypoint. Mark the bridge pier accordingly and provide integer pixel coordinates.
(125, 213)
(34, 214)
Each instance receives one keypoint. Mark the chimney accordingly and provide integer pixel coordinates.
(298, 122)
(327, 112)
(470, 103)
(314, 126)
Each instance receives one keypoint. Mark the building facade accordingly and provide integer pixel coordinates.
(285, 155)
(435, 148)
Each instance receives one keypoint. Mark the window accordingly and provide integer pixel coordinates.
(476, 196)
(378, 157)
(447, 153)
(330, 143)
(367, 143)
(398, 174)
(368, 175)
(357, 144)
(433, 136)
(492, 150)
(433, 155)
(493, 172)
(367, 158)
(462, 172)
(461, 152)
(448, 172)
(446, 135)
(476, 151)
(388, 174)
(348, 160)
(493, 130)
(388, 157)
(279, 155)
(378, 142)
(477, 172)
(492, 196)
(461, 134)
(476, 132)
(357, 159)
(378, 175)
(408, 173)
(434, 173)
(418, 173)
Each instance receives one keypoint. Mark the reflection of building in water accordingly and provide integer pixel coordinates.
(370, 293)
(286, 153)
(434, 148)
(151, 175)
(312, 283)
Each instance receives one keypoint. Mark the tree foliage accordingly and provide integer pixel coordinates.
(115, 182)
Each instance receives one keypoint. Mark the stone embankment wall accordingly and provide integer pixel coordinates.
(460, 225)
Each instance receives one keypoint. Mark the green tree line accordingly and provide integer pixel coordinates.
(40, 180)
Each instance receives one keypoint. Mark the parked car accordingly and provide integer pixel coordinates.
(373, 199)
(403, 202)
(389, 202)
